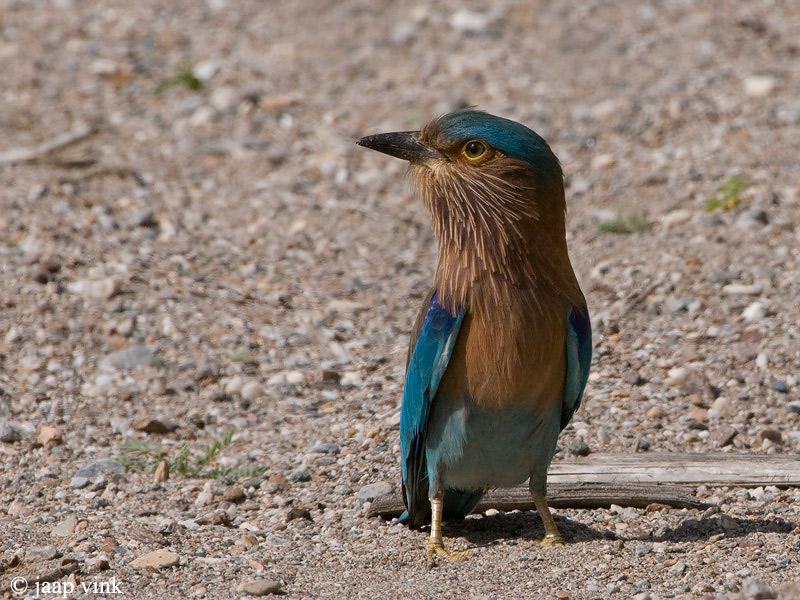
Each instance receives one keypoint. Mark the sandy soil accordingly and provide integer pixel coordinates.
(207, 254)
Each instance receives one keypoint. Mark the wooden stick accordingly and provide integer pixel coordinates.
(565, 495)
(713, 469)
(26, 155)
(635, 480)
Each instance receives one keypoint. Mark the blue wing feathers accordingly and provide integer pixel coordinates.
(579, 356)
(425, 370)
(426, 367)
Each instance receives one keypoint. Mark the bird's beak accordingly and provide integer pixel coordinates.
(402, 144)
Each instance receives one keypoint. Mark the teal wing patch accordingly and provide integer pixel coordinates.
(425, 370)
(579, 356)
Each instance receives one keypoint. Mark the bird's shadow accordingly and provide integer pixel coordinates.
(526, 525)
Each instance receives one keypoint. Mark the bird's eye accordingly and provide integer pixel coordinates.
(474, 149)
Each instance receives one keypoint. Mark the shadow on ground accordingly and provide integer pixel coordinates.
(527, 525)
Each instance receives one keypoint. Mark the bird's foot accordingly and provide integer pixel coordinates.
(551, 539)
(436, 548)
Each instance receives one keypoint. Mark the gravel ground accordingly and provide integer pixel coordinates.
(211, 255)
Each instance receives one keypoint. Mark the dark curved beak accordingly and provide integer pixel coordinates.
(402, 144)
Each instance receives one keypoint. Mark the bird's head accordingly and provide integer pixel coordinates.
(472, 144)
(494, 188)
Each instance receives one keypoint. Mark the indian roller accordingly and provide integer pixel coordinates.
(499, 355)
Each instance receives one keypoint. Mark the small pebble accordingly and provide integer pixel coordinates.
(603, 162)
(720, 407)
(252, 390)
(779, 385)
(773, 435)
(467, 21)
(234, 386)
(676, 217)
(280, 481)
(654, 412)
(754, 312)
(729, 524)
(756, 589)
(758, 86)
(161, 474)
(326, 448)
(234, 494)
(154, 426)
(8, 433)
(722, 436)
(145, 218)
(299, 476)
(259, 587)
(297, 512)
(741, 289)
(295, 377)
(41, 553)
(678, 568)
(66, 527)
(107, 466)
(579, 448)
(129, 358)
(157, 559)
(676, 376)
(374, 490)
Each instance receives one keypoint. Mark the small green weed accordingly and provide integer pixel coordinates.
(138, 455)
(727, 195)
(184, 77)
(239, 357)
(637, 222)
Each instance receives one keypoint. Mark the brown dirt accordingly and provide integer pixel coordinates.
(274, 269)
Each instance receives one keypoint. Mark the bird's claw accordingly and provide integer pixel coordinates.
(552, 539)
(436, 548)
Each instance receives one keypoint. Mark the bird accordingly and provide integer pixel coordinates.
(499, 355)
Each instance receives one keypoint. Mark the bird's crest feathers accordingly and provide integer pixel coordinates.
(508, 137)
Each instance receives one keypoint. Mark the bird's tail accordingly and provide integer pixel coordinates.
(458, 503)
(418, 507)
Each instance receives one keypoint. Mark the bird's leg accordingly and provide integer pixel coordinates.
(435, 541)
(552, 537)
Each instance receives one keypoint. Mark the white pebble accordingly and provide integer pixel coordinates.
(295, 377)
(720, 407)
(252, 390)
(234, 385)
(762, 360)
(104, 381)
(351, 378)
(758, 86)
(223, 98)
(277, 379)
(206, 69)
(602, 162)
(676, 376)
(734, 289)
(467, 21)
(754, 312)
(13, 334)
(204, 498)
(676, 217)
